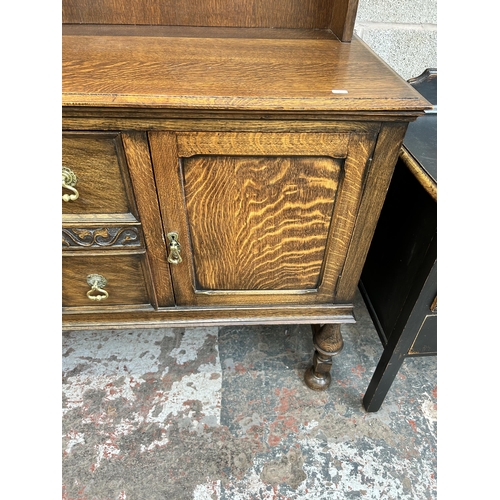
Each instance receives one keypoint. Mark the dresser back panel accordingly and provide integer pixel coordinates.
(230, 13)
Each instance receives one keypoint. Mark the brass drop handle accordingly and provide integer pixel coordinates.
(69, 181)
(97, 283)
(174, 256)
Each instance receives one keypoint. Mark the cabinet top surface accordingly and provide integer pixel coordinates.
(230, 69)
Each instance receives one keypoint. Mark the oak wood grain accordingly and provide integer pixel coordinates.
(269, 314)
(168, 177)
(259, 223)
(126, 279)
(139, 162)
(256, 143)
(346, 211)
(74, 118)
(377, 183)
(202, 194)
(99, 164)
(194, 31)
(93, 219)
(244, 13)
(237, 74)
(234, 139)
(343, 18)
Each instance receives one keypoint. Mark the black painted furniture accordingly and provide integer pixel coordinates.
(399, 278)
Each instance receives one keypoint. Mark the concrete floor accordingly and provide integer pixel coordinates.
(224, 414)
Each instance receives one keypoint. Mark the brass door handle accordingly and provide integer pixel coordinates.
(174, 256)
(69, 181)
(97, 283)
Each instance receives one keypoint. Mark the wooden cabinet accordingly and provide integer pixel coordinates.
(228, 172)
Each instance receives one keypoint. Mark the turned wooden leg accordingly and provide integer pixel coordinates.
(328, 343)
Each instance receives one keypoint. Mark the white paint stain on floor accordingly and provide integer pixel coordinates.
(208, 491)
(98, 362)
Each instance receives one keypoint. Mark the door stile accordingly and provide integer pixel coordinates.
(169, 184)
(346, 210)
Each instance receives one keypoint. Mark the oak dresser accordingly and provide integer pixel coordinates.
(223, 163)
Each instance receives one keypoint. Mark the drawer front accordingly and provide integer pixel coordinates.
(95, 179)
(106, 280)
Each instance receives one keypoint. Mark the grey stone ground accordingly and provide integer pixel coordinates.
(224, 414)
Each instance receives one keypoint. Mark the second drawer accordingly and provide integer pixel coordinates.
(105, 280)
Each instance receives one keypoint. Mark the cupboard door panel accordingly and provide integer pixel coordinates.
(259, 223)
(259, 214)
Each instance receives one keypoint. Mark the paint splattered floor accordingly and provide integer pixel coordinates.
(224, 414)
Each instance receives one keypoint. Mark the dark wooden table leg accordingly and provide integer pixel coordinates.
(382, 379)
(328, 342)
(410, 324)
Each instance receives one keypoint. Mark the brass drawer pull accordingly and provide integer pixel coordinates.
(69, 181)
(174, 256)
(97, 283)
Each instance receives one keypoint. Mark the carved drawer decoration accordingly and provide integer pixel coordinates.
(102, 237)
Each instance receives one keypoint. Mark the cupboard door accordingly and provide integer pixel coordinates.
(258, 218)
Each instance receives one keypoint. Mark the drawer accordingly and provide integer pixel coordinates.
(95, 174)
(125, 280)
